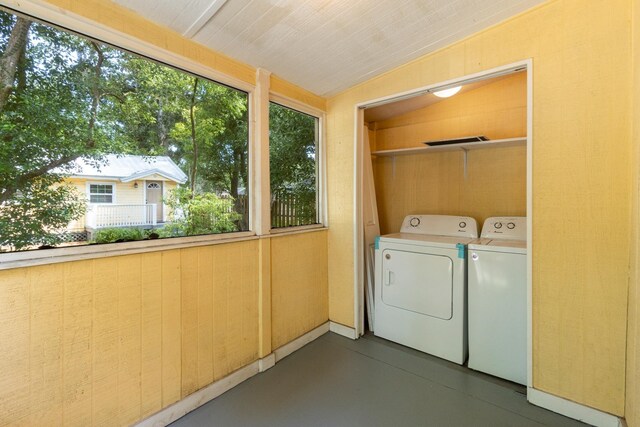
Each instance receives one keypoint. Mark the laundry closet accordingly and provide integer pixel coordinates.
(490, 181)
(438, 165)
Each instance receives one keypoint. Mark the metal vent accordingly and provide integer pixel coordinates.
(463, 140)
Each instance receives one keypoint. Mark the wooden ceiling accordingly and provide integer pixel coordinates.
(327, 46)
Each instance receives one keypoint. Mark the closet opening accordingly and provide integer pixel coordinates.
(467, 154)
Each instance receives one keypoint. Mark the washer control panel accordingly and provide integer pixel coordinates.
(440, 225)
(505, 227)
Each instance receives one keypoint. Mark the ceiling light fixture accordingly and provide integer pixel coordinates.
(446, 93)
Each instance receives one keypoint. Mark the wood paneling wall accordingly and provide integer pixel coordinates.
(113, 340)
(495, 185)
(632, 406)
(434, 183)
(110, 341)
(300, 300)
(496, 110)
(582, 147)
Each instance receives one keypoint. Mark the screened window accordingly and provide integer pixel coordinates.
(75, 110)
(293, 154)
(101, 193)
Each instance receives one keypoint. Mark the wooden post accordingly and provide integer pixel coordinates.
(262, 206)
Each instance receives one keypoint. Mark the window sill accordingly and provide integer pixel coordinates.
(296, 229)
(11, 260)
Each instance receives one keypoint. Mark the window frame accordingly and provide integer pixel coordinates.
(321, 196)
(56, 17)
(113, 192)
(49, 14)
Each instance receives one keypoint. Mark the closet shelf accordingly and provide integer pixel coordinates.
(507, 142)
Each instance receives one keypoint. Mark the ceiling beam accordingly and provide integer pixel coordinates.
(202, 20)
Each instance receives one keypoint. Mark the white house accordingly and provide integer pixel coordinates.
(124, 190)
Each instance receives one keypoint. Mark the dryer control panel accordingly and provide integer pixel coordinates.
(440, 225)
(505, 227)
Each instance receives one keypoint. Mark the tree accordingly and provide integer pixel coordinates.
(202, 125)
(64, 97)
(12, 57)
(199, 214)
(292, 156)
(52, 109)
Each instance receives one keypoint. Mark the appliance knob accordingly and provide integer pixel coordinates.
(511, 226)
(462, 224)
(474, 256)
(498, 225)
(414, 222)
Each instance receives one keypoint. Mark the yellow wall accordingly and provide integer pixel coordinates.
(581, 181)
(435, 183)
(496, 110)
(299, 292)
(632, 407)
(114, 340)
(110, 341)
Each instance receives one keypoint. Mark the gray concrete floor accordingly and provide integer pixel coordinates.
(335, 381)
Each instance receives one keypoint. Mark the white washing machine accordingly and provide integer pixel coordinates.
(498, 299)
(420, 284)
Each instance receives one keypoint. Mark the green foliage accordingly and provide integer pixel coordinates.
(119, 234)
(198, 214)
(74, 98)
(292, 154)
(28, 219)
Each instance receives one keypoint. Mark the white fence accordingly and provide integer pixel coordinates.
(100, 216)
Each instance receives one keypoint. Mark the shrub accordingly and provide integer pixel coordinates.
(119, 234)
(196, 214)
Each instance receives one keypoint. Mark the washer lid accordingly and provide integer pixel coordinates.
(426, 240)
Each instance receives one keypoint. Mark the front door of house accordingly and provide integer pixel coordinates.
(154, 196)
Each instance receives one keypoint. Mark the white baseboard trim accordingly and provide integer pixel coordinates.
(300, 342)
(200, 397)
(267, 362)
(345, 331)
(571, 409)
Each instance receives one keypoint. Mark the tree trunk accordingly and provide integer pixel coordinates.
(96, 94)
(11, 58)
(235, 177)
(239, 173)
(22, 71)
(194, 142)
(161, 127)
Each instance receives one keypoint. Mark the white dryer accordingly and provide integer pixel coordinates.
(498, 299)
(420, 284)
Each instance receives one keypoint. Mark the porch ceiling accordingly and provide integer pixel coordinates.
(327, 46)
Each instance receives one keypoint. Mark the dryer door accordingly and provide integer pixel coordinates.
(418, 282)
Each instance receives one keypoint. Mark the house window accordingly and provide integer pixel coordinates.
(293, 162)
(105, 114)
(101, 193)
